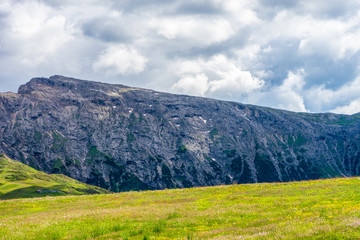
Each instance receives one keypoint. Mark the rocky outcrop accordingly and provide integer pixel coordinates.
(124, 138)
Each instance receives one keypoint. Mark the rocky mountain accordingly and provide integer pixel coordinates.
(124, 138)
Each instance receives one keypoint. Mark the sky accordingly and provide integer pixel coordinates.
(300, 56)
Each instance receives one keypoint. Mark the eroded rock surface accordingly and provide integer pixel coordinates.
(124, 138)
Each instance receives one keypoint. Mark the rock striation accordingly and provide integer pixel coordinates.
(122, 138)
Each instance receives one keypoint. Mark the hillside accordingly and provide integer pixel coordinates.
(122, 138)
(18, 180)
(320, 209)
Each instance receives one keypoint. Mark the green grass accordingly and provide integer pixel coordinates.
(321, 209)
(18, 180)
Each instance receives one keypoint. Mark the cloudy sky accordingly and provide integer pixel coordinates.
(295, 55)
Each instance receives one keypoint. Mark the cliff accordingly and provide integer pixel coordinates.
(124, 138)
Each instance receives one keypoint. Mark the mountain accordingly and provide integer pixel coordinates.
(18, 180)
(123, 138)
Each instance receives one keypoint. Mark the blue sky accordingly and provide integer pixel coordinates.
(295, 55)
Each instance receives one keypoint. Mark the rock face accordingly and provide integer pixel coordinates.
(124, 138)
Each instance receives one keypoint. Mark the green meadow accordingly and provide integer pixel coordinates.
(320, 209)
(19, 180)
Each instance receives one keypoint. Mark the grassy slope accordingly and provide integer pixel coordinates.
(321, 209)
(18, 180)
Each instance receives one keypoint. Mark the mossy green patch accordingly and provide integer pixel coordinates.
(230, 153)
(37, 136)
(95, 155)
(58, 141)
(58, 164)
(58, 138)
(182, 149)
(300, 140)
(94, 152)
(207, 157)
(213, 133)
(347, 120)
(130, 138)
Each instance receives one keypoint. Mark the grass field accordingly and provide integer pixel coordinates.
(18, 180)
(322, 209)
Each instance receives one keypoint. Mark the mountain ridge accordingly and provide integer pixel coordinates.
(63, 79)
(123, 138)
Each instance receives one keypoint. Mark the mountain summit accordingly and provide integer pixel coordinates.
(124, 138)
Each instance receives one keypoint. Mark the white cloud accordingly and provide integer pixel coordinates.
(218, 76)
(330, 38)
(289, 93)
(353, 107)
(196, 31)
(230, 80)
(287, 96)
(241, 11)
(120, 59)
(248, 56)
(345, 97)
(35, 33)
(193, 85)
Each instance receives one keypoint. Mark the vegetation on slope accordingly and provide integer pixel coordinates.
(18, 180)
(321, 209)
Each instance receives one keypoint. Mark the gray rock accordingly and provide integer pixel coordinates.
(124, 138)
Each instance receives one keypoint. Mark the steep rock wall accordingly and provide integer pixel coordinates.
(123, 138)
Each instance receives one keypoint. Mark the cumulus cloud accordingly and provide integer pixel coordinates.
(286, 96)
(218, 76)
(345, 97)
(332, 39)
(35, 33)
(353, 107)
(196, 31)
(193, 85)
(120, 60)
